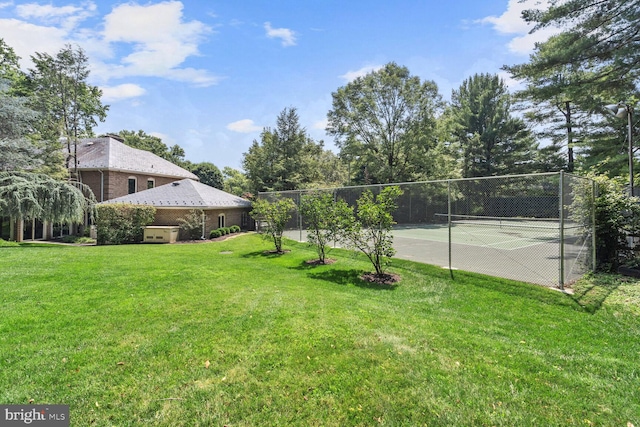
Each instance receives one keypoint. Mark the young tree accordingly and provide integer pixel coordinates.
(325, 219)
(489, 139)
(284, 157)
(192, 224)
(369, 228)
(274, 217)
(68, 105)
(387, 121)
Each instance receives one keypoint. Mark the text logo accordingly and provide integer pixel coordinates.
(34, 415)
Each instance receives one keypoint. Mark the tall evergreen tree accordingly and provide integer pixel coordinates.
(17, 151)
(600, 41)
(285, 157)
(489, 139)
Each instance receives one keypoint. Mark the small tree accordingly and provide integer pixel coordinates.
(192, 224)
(275, 216)
(369, 228)
(325, 218)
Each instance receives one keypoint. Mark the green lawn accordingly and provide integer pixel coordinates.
(222, 334)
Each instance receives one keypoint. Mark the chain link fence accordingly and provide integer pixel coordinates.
(536, 228)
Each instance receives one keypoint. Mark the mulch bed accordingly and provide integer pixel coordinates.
(327, 261)
(381, 279)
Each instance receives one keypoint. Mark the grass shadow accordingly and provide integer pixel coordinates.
(348, 277)
(592, 292)
(263, 254)
(530, 291)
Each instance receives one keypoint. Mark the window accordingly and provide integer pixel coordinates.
(132, 185)
(151, 183)
(220, 220)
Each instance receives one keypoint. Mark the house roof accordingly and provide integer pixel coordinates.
(110, 154)
(184, 194)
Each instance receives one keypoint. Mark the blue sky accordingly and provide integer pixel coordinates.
(209, 75)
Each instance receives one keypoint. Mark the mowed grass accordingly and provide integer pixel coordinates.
(222, 334)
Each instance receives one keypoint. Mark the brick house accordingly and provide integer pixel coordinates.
(174, 200)
(112, 170)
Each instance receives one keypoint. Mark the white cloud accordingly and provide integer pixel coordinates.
(26, 38)
(511, 22)
(287, 36)
(156, 52)
(350, 76)
(68, 17)
(321, 124)
(120, 92)
(513, 84)
(244, 126)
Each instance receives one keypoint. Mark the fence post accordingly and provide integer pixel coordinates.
(561, 207)
(299, 215)
(449, 222)
(594, 194)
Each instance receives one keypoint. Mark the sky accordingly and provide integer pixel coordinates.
(210, 75)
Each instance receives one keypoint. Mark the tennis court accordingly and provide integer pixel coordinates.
(516, 250)
(534, 228)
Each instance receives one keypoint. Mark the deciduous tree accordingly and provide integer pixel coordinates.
(69, 106)
(208, 173)
(325, 219)
(386, 122)
(273, 217)
(368, 229)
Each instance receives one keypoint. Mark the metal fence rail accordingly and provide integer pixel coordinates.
(536, 228)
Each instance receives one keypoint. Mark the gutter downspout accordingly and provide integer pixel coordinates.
(101, 185)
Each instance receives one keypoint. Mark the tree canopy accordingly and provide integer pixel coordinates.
(285, 158)
(599, 41)
(489, 140)
(68, 105)
(30, 195)
(386, 122)
(209, 174)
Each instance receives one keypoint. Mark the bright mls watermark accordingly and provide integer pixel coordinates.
(34, 415)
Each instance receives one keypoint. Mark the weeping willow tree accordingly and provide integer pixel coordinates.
(36, 196)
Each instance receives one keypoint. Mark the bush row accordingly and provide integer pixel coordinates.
(224, 231)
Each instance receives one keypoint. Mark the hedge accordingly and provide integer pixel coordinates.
(117, 224)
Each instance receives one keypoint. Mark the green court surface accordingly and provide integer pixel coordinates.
(507, 237)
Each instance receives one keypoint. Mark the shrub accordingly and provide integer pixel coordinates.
(192, 224)
(235, 228)
(122, 223)
(617, 216)
(222, 231)
(77, 239)
(227, 230)
(214, 234)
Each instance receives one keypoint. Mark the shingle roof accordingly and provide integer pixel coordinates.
(184, 194)
(109, 154)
